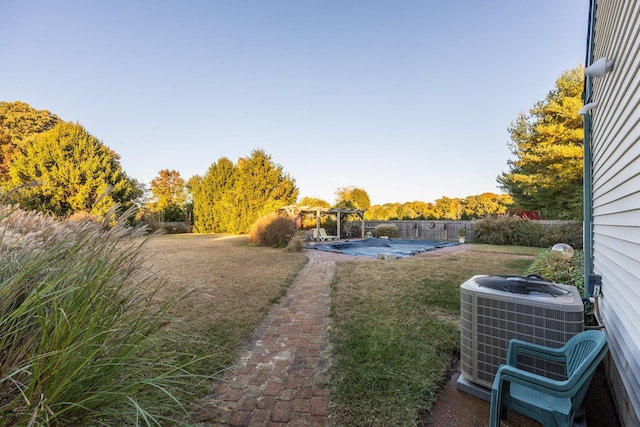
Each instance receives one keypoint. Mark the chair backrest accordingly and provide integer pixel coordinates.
(582, 349)
(323, 232)
(584, 353)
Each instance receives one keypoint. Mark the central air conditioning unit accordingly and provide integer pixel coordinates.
(496, 309)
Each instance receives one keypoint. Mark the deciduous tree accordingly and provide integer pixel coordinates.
(352, 197)
(169, 195)
(448, 208)
(486, 204)
(377, 213)
(313, 202)
(421, 210)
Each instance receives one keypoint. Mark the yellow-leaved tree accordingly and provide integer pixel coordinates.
(169, 195)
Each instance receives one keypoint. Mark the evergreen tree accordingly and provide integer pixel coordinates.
(546, 174)
(19, 122)
(212, 197)
(230, 198)
(261, 188)
(74, 170)
(198, 200)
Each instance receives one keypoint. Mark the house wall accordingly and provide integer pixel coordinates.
(615, 195)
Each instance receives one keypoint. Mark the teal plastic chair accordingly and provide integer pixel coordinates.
(548, 401)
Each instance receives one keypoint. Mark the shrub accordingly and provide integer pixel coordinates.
(154, 221)
(158, 222)
(81, 344)
(273, 230)
(174, 213)
(389, 230)
(84, 216)
(528, 233)
(513, 230)
(502, 230)
(295, 245)
(176, 227)
(567, 232)
(567, 272)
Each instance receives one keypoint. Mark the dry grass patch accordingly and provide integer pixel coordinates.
(228, 285)
(499, 249)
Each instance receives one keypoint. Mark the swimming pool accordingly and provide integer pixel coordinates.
(373, 246)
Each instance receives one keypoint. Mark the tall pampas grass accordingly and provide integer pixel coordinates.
(80, 342)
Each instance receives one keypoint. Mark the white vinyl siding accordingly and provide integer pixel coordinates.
(616, 196)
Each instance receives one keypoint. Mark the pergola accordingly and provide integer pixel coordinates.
(294, 210)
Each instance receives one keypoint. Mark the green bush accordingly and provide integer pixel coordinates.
(174, 213)
(81, 342)
(569, 233)
(512, 230)
(558, 271)
(156, 222)
(389, 230)
(528, 233)
(501, 230)
(273, 230)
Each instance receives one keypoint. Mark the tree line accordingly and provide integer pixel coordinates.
(58, 167)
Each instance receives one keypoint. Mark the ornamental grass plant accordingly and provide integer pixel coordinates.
(388, 230)
(80, 342)
(273, 230)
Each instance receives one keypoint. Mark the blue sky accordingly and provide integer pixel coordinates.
(409, 100)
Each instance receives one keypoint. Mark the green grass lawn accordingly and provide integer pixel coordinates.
(512, 250)
(396, 332)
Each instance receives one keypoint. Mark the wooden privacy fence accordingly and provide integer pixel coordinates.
(426, 229)
(440, 229)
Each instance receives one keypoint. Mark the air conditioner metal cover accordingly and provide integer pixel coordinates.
(491, 316)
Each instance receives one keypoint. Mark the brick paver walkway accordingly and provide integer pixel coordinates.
(280, 378)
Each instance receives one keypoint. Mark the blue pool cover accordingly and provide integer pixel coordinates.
(373, 246)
